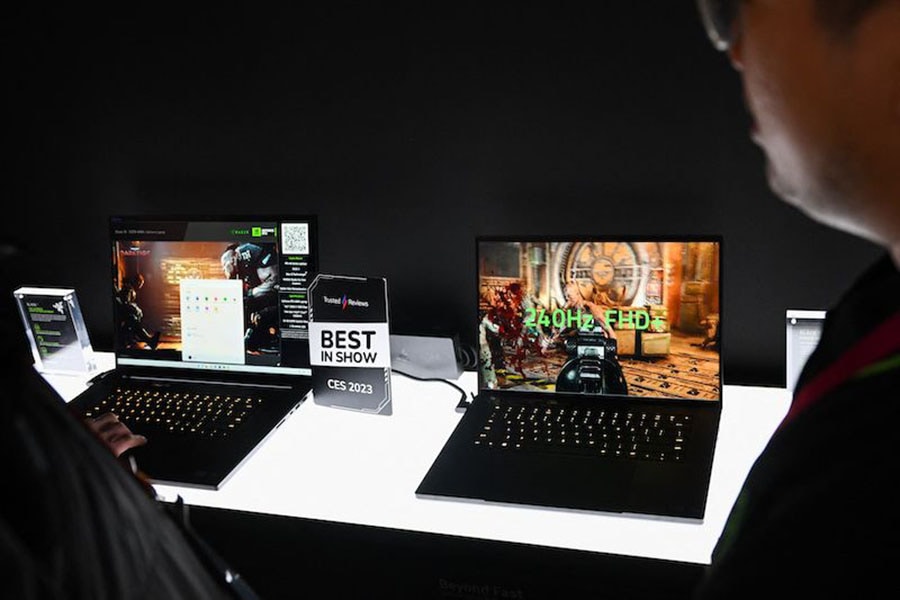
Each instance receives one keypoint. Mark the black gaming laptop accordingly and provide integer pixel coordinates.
(211, 338)
(600, 377)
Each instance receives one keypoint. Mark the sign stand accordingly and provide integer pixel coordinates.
(56, 331)
(349, 343)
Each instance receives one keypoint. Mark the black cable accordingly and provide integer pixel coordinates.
(461, 405)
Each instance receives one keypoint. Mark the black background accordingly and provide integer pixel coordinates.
(408, 131)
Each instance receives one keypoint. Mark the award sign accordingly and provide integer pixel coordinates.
(349, 343)
(55, 329)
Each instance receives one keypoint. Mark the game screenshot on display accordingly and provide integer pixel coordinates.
(601, 317)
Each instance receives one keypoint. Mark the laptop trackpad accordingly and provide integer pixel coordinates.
(667, 489)
(564, 481)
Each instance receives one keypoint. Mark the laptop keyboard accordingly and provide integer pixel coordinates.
(634, 434)
(186, 413)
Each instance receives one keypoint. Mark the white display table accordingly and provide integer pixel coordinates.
(340, 466)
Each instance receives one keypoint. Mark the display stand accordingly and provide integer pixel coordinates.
(349, 339)
(56, 330)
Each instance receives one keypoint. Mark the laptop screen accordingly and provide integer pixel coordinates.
(626, 317)
(213, 294)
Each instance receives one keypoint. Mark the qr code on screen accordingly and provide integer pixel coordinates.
(295, 238)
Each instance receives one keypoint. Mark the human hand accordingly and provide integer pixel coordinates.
(115, 434)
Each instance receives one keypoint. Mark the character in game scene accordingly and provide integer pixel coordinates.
(491, 328)
(506, 311)
(129, 316)
(575, 302)
(542, 332)
(711, 341)
(487, 332)
(257, 267)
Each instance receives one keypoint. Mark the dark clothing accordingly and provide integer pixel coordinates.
(74, 522)
(816, 517)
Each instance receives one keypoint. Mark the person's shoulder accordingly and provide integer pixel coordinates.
(816, 517)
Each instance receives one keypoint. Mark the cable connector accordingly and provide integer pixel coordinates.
(463, 403)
